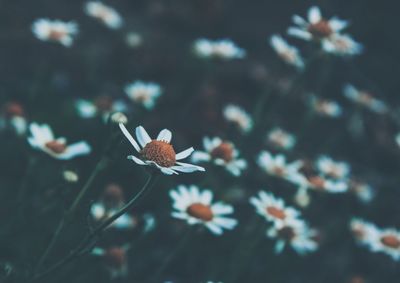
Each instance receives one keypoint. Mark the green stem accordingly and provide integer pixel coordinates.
(92, 237)
(69, 215)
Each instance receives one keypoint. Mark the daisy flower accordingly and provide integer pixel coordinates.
(317, 27)
(281, 139)
(342, 45)
(143, 93)
(115, 259)
(221, 153)
(13, 115)
(196, 207)
(296, 234)
(363, 191)
(102, 105)
(273, 209)
(159, 153)
(224, 49)
(324, 107)
(42, 138)
(57, 31)
(278, 167)
(322, 184)
(388, 242)
(238, 116)
(332, 168)
(364, 99)
(103, 13)
(364, 232)
(286, 52)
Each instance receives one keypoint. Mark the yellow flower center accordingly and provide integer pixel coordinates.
(56, 146)
(160, 152)
(200, 211)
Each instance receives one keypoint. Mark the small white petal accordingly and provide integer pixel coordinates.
(137, 160)
(184, 154)
(165, 135)
(142, 136)
(129, 137)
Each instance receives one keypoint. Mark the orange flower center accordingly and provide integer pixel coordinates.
(103, 103)
(287, 233)
(160, 152)
(200, 211)
(115, 257)
(279, 171)
(14, 109)
(57, 34)
(320, 29)
(276, 212)
(56, 146)
(317, 182)
(391, 241)
(224, 151)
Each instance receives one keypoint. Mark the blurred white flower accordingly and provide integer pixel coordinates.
(364, 99)
(143, 93)
(322, 184)
(133, 39)
(273, 209)
(296, 234)
(239, 116)
(325, 107)
(159, 153)
(100, 213)
(56, 30)
(278, 167)
(316, 27)
(221, 153)
(364, 232)
(42, 138)
(196, 207)
(363, 191)
(302, 198)
(281, 139)
(102, 105)
(115, 259)
(331, 168)
(70, 176)
(288, 53)
(223, 49)
(13, 115)
(342, 45)
(107, 15)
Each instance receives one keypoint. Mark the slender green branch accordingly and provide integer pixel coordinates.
(92, 237)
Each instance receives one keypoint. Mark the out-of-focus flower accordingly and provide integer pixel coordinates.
(115, 258)
(288, 53)
(278, 167)
(322, 184)
(364, 232)
(281, 139)
(273, 209)
(302, 197)
(159, 153)
(70, 176)
(325, 107)
(364, 99)
(221, 153)
(13, 115)
(143, 93)
(223, 49)
(376, 240)
(363, 191)
(295, 233)
(111, 201)
(331, 168)
(239, 116)
(342, 45)
(107, 15)
(56, 30)
(133, 39)
(102, 105)
(196, 207)
(42, 138)
(316, 27)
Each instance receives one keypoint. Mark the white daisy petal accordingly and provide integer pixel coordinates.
(129, 137)
(165, 135)
(184, 154)
(137, 160)
(142, 136)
